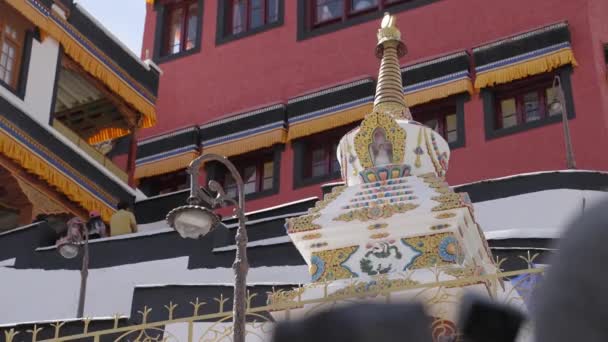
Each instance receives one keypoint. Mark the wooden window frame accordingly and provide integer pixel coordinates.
(329, 149)
(308, 28)
(438, 113)
(23, 43)
(248, 9)
(171, 180)
(347, 11)
(170, 8)
(224, 33)
(257, 158)
(518, 90)
(491, 95)
(440, 109)
(302, 166)
(163, 10)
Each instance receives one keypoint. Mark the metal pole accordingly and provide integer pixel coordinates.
(241, 264)
(241, 268)
(84, 273)
(570, 162)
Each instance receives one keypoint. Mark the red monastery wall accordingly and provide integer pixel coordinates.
(273, 66)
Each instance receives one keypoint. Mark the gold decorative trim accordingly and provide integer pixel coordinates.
(379, 235)
(364, 138)
(311, 236)
(440, 226)
(445, 216)
(282, 297)
(41, 204)
(418, 150)
(377, 226)
(380, 284)
(429, 151)
(448, 201)
(436, 250)
(377, 212)
(330, 197)
(302, 223)
(328, 265)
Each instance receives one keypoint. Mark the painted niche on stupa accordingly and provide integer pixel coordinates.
(380, 147)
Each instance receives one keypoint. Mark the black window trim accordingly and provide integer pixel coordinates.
(458, 101)
(223, 37)
(19, 91)
(212, 168)
(299, 181)
(306, 32)
(489, 108)
(159, 30)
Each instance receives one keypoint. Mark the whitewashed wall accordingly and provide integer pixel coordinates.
(40, 81)
(541, 214)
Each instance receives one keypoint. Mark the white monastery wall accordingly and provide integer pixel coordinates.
(541, 214)
(40, 81)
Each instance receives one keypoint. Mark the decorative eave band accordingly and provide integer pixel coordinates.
(329, 108)
(245, 132)
(523, 55)
(160, 144)
(107, 134)
(166, 162)
(248, 140)
(324, 119)
(90, 58)
(17, 146)
(437, 78)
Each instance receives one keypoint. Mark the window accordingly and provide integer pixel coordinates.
(166, 183)
(329, 11)
(318, 17)
(246, 15)
(257, 176)
(180, 26)
(445, 117)
(315, 158)
(12, 40)
(259, 170)
(241, 18)
(321, 160)
(525, 101)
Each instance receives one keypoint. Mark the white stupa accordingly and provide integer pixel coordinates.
(395, 221)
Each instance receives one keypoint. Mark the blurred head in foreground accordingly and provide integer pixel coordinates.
(572, 303)
(359, 323)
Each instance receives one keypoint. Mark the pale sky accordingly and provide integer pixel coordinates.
(124, 18)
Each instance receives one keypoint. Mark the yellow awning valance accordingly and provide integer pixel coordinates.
(439, 92)
(325, 121)
(32, 160)
(165, 165)
(247, 143)
(524, 67)
(107, 134)
(90, 58)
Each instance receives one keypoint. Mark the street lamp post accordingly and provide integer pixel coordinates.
(69, 248)
(194, 221)
(559, 106)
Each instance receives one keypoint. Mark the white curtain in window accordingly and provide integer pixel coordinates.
(238, 13)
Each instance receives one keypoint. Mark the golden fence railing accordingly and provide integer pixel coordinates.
(217, 326)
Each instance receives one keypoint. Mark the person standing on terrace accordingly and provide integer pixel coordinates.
(123, 220)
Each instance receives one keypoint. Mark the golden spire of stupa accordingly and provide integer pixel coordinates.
(389, 90)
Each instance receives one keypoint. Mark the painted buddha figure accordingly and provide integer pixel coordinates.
(381, 150)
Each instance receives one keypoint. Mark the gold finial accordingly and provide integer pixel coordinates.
(389, 89)
(388, 21)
